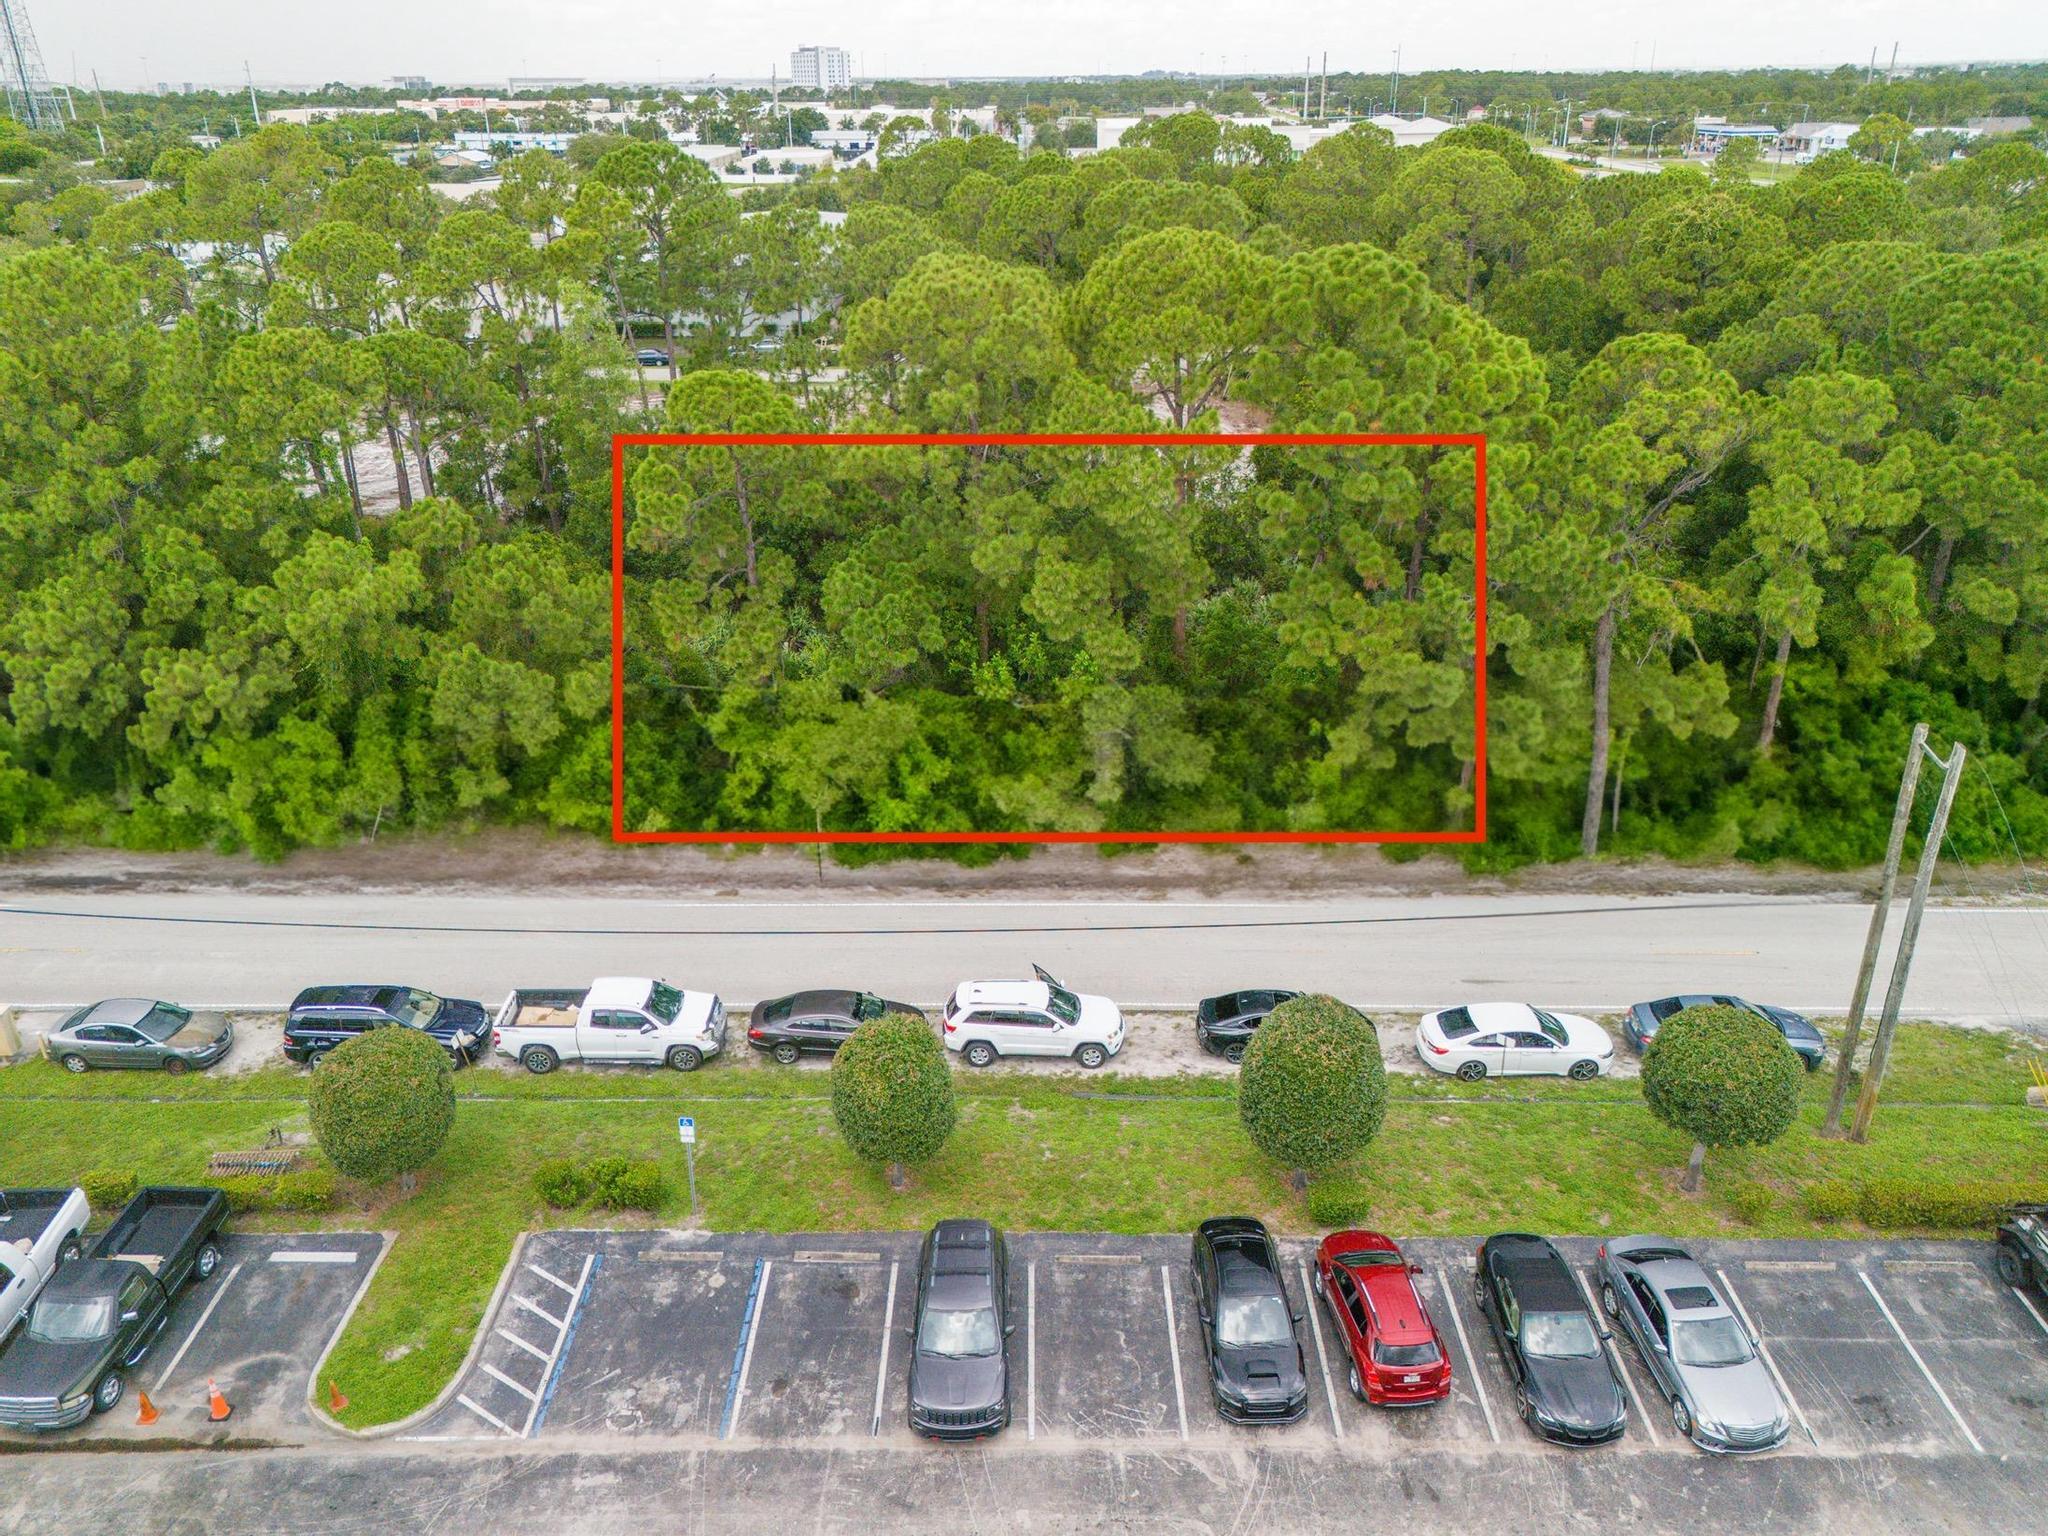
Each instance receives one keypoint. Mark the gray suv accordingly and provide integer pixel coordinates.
(959, 1376)
(1704, 1358)
(2023, 1247)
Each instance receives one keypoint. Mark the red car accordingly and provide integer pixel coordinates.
(1397, 1356)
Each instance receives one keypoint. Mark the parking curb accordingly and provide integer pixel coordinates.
(454, 1383)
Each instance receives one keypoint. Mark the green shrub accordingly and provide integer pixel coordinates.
(305, 1189)
(1338, 1202)
(1313, 1089)
(382, 1104)
(892, 1091)
(1722, 1076)
(1831, 1200)
(1949, 1205)
(107, 1190)
(560, 1183)
(1751, 1201)
(609, 1183)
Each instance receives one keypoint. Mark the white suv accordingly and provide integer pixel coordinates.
(987, 1019)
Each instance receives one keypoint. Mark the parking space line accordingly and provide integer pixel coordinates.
(833, 1256)
(743, 1356)
(882, 1370)
(1098, 1258)
(211, 1302)
(513, 1338)
(1763, 1349)
(551, 1280)
(1180, 1398)
(313, 1256)
(1620, 1365)
(1315, 1326)
(2032, 1311)
(1471, 1360)
(1968, 1433)
(1790, 1266)
(682, 1255)
(495, 1374)
(561, 1349)
(553, 1321)
(1031, 1350)
(485, 1414)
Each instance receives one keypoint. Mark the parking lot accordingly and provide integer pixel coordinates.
(256, 1330)
(736, 1340)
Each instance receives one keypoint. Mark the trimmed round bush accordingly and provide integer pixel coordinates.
(892, 1091)
(1313, 1089)
(382, 1104)
(1722, 1076)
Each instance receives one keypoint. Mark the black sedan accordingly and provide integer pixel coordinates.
(1640, 1022)
(1566, 1388)
(1225, 1024)
(1257, 1373)
(959, 1374)
(818, 1020)
(137, 1032)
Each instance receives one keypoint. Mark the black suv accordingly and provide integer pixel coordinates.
(323, 1017)
(1566, 1389)
(2023, 1247)
(1256, 1370)
(959, 1376)
(1224, 1025)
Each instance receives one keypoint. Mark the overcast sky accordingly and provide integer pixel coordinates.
(139, 42)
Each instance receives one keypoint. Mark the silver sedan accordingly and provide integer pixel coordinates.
(138, 1032)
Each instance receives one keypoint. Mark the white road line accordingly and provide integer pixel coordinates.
(1471, 1360)
(1771, 1365)
(495, 1374)
(1180, 1398)
(551, 1280)
(1031, 1350)
(212, 1302)
(739, 1400)
(314, 1256)
(485, 1414)
(1620, 1365)
(513, 1338)
(882, 1369)
(1968, 1433)
(2032, 1310)
(554, 1322)
(561, 1341)
(833, 1256)
(1315, 1327)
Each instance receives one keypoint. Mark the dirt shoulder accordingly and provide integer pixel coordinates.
(512, 861)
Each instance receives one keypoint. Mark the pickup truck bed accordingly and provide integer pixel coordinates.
(162, 1226)
(543, 1008)
(26, 1213)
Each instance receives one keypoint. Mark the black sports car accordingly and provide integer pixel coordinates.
(1257, 1374)
(818, 1020)
(1224, 1024)
(959, 1376)
(1566, 1388)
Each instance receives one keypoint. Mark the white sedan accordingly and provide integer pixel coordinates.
(1512, 1040)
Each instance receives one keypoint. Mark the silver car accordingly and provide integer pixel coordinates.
(139, 1032)
(1704, 1358)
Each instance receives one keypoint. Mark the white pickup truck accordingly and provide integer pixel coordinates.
(631, 1020)
(39, 1229)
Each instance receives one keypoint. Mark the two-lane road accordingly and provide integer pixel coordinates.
(1985, 965)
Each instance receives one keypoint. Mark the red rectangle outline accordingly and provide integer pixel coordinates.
(621, 441)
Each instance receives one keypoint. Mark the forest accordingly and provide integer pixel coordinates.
(1767, 480)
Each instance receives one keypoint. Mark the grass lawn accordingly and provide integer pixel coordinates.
(1104, 1153)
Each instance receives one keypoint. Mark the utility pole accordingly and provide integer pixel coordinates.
(1323, 98)
(254, 110)
(1394, 105)
(1852, 1032)
(1305, 72)
(1923, 879)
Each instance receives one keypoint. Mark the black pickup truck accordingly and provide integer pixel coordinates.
(99, 1316)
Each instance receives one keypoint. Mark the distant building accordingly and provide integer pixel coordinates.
(1711, 135)
(820, 69)
(1996, 127)
(410, 83)
(553, 143)
(1590, 122)
(1410, 130)
(1805, 141)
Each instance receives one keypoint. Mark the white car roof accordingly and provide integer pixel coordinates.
(1493, 1016)
(1004, 994)
(619, 991)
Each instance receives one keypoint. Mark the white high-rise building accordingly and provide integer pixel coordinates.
(820, 69)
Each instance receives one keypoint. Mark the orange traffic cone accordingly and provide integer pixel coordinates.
(335, 1401)
(217, 1406)
(145, 1412)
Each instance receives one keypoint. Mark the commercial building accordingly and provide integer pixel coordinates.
(520, 143)
(1711, 135)
(820, 69)
(1804, 141)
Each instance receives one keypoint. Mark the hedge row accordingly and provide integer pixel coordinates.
(1946, 1204)
(609, 1183)
(308, 1189)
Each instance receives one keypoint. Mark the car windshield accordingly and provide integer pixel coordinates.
(1246, 1321)
(1551, 1027)
(1366, 1256)
(1404, 1354)
(71, 1319)
(867, 1007)
(415, 1010)
(164, 1021)
(1063, 1004)
(1710, 1341)
(958, 1333)
(664, 1002)
(1559, 1335)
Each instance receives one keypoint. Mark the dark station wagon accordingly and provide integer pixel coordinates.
(1225, 1024)
(322, 1018)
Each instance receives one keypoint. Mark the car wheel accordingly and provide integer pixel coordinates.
(686, 1058)
(314, 1058)
(1814, 1063)
(1609, 1302)
(1315, 1280)
(1681, 1420)
(1234, 1053)
(1357, 1386)
(787, 1052)
(72, 1063)
(539, 1060)
(1584, 1071)
(980, 1054)
(177, 1066)
(1471, 1071)
(1091, 1056)
(71, 1251)
(207, 1262)
(1524, 1409)
(107, 1394)
(2014, 1267)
